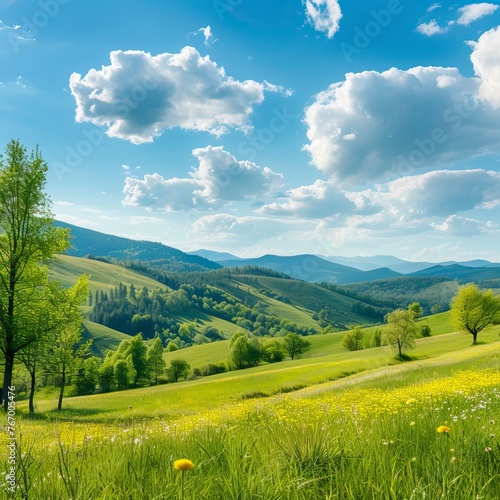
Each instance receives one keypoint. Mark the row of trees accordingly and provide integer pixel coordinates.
(472, 310)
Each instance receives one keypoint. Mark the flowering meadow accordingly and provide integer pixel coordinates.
(422, 433)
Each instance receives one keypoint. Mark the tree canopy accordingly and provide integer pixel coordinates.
(28, 240)
(401, 330)
(472, 310)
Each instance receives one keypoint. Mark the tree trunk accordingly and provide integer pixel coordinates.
(32, 392)
(7, 378)
(474, 337)
(61, 393)
(399, 349)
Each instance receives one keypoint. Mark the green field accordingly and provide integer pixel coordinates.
(421, 429)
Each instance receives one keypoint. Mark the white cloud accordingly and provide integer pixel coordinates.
(321, 199)
(403, 120)
(249, 229)
(324, 15)
(207, 35)
(434, 6)
(456, 225)
(473, 12)
(220, 178)
(438, 193)
(14, 36)
(138, 95)
(486, 61)
(431, 28)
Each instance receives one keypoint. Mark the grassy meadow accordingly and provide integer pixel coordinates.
(333, 425)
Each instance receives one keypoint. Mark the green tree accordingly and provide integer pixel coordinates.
(155, 360)
(178, 369)
(238, 346)
(295, 345)
(63, 351)
(472, 310)
(425, 331)
(273, 351)
(401, 330)
(352, 340)
(416, 309)
(436, 308)
(137, 350)
(28, 240)
(88, 376)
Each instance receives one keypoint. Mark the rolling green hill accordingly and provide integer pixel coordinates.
(88, 242)
(296, 302)
(103, 276)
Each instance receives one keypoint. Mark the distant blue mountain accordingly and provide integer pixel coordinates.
(213, 255)
(313, 269)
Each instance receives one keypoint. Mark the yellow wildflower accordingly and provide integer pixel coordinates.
(442, 429)
(183, 464)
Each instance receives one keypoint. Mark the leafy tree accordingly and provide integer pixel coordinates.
(376, 338)
(121, 374)
(63, 352)
(178, 369)
(473, 310)
(425, 331)
(401, 330)
(238, 346)
(137, 350)
(273, 351)
(28, 240)
(436, 308)
(88, 376)
(416, 309)
(352, 340)
(106, 374)
(155, 359)
(172, 346)
(295, 345)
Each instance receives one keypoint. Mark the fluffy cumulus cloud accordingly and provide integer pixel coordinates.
(219, 178)
(384, 125)
(409, 205)
(486, 61)
(230, 228)
(456, 225)
(438, 193)
(473, 12)
(138, 95)
(321, 199)
(324, 15)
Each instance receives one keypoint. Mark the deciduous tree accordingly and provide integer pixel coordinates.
(401, 330)
(295, 345)
(28, 240)
(472, 310)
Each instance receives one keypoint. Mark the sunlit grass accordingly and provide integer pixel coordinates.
(372, 435)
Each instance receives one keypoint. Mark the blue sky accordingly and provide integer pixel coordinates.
(258, 126)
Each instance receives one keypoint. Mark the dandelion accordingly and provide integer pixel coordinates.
(411, 401)
(487, 449)
(412, 424)
(183, 465)
(442, 429)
